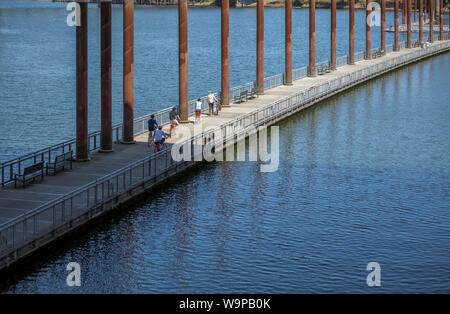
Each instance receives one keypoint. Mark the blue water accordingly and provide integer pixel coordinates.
(37, 62)
(363, 177)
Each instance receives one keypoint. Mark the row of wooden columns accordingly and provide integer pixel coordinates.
(106, 136)
(82, 147)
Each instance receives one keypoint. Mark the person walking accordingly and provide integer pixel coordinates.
(173, 116)
(198, 110)
(152, 126)
(211, 99)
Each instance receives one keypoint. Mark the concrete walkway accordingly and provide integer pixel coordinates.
(14, 202)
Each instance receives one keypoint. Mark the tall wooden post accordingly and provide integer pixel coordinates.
(82, 143)
(383, 25)
(288, 42)
(421, 20)
(441, 20)
(396, 22)
(415, 11)
(260, 46)
(225, 10)
(333, 34)
(368, 53)
(106, 136)
(128, 72)
(404, 11)
(408, 38)
(431, 14)
(351, 40)
(312, 38)
(183, 60)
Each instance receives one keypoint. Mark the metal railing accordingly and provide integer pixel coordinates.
(9, 168)
(90, 199)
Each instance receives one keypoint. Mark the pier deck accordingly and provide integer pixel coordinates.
(15, 203)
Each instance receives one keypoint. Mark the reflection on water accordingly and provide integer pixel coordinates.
(363, 177)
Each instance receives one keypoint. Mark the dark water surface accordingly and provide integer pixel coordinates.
(363, 177)
(37, 62)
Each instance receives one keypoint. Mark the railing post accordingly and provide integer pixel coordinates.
(368, 50)
(82, 150)
(312, 38)
(225, 20)
(383, 25)
(421, 20)
(396, 21)
(441, 20)
(106, 101)
(333, 34)
(288, 42)
(408, 38)
(351, 54)
(260, 46)
(128, 72)
(431, 15)
(183, 60)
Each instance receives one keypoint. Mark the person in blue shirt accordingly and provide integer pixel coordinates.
(159, 139)
(152, 126)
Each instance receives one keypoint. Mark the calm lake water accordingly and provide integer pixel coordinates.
(363, 177)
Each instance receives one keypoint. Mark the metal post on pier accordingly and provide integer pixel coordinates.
(128, 72)
(441, 20)
(312, 38)
(408, 38)
(351, 41)
(368, 53)
(333, 34)
(183, 60)
(106, 136)
(404, 11)
(415, 11)
(421, 21)
(288, 42)
(396, 21)
(225, 26)
(82, 142)
(260, 46)
(431, 15)
(383, 25)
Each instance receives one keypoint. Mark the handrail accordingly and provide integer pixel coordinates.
(11, 167)
(114, 184)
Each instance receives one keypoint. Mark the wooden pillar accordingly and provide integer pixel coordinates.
(415, 11)
(431, 14)
(260, 46)
(421, 20)
(351, 41)
(396, 22)
(368, 53)
(183, 60)
(404, 11)
(383, 25)
(333, 34)
(225, 10)
(106, 136)
(408, 38)
(82, 143)
(441, 20)
(128, 72)
(312, 38)
(288, 42)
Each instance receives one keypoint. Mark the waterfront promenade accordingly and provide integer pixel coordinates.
(41, 212)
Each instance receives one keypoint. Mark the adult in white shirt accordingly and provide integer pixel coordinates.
(211, 99)
(198, 110)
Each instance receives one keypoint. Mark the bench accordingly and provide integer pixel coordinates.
(323, 69)
(378, 53)
(60, 163)
(30, 173)
(253, 93)
(242, 97)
